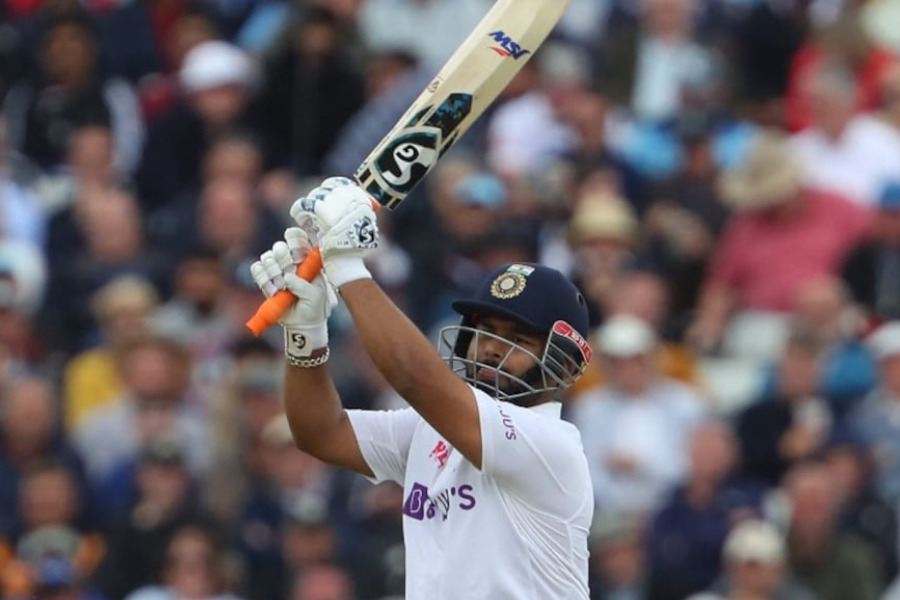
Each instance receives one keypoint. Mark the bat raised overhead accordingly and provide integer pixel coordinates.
(476, 74)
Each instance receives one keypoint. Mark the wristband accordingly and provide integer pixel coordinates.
(344, 269)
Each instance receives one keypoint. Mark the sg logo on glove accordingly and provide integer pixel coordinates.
(298, 340)
(365, 233)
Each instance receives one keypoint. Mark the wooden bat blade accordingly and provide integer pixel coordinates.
(469, 82)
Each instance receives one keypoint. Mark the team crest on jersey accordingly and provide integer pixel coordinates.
(508, 285)
(440, 453)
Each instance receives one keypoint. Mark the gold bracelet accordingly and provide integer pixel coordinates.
(309, 363)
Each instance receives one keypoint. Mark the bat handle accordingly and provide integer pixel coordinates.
(276, 305)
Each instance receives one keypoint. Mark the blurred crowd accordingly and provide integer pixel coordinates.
(720, 177)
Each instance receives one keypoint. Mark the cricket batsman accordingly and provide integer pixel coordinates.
(498, 498)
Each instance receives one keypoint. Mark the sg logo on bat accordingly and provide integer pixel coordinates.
(416, 148)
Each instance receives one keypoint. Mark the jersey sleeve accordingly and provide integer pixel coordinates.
(538, 458)
(384, 438)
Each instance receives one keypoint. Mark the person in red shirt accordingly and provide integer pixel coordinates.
(782, 236)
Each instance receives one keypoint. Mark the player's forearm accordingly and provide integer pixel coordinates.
(400, 351)
(312, 406)
(413, 366)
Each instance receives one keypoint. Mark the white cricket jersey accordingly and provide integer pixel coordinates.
(516, 529)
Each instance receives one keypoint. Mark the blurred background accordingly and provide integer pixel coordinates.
(720, 177)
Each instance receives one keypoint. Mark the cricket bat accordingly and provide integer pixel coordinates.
(466, 85)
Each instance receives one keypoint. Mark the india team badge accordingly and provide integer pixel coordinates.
(512, 282)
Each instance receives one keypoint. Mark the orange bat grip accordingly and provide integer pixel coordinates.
(271, 310)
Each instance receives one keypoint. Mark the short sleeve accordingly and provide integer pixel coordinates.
(384, 438)
(538, 457)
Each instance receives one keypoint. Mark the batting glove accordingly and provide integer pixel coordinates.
(341, 214)
(306, 322)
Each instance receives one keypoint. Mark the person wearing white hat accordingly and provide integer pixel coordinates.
(218, 82)
(755, 557)
(636, 425)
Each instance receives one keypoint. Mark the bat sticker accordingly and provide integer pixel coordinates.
(407, 160)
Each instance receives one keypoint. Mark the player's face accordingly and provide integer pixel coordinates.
(511, 348)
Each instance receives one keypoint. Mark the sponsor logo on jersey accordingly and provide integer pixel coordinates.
(419, 505)
(506, 46)
(440, 453)
(509, 425)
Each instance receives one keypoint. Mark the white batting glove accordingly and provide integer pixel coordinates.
(306, 322)
(341, 213)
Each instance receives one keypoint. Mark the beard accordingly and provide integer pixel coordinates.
(521, 386)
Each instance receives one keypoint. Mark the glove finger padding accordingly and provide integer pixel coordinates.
(298, 243)
(262, 279)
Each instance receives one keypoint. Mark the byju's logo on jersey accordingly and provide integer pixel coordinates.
(420, 506)
(506, 46)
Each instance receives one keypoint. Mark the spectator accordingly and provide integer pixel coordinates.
(796, 422)
(618, 563)
(845, 41)
(842, 152)
(603, 237)
(644, 294)
(91, 379)
(323, 582)
(832, 565)
(20, 215)
(113, 244)
(872, 268)
(29, 436)
(750, 286)
(228, 219)
(848, 368)
(524, 134)
(756, 566)
(52, 562)
(194, 567)
(195, 318)
(217, 81)
(863, 513)
(686, 536)
(70, 91)
(873, 420)
(245, 401)
(154, 405)
(23, 274)
(89, 165)
(163, 502)
(294, 503)
(686, 216)
(636, 427)
(645, 65)
(310, 65)
(587, 115)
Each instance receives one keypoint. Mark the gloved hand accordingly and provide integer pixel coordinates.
(341, 214)
(306, 322)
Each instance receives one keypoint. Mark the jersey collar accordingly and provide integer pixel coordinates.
(549, 409)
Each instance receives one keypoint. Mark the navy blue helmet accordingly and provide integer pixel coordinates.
(544, 301)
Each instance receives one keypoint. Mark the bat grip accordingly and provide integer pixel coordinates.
(271, 310)
(276, 305)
